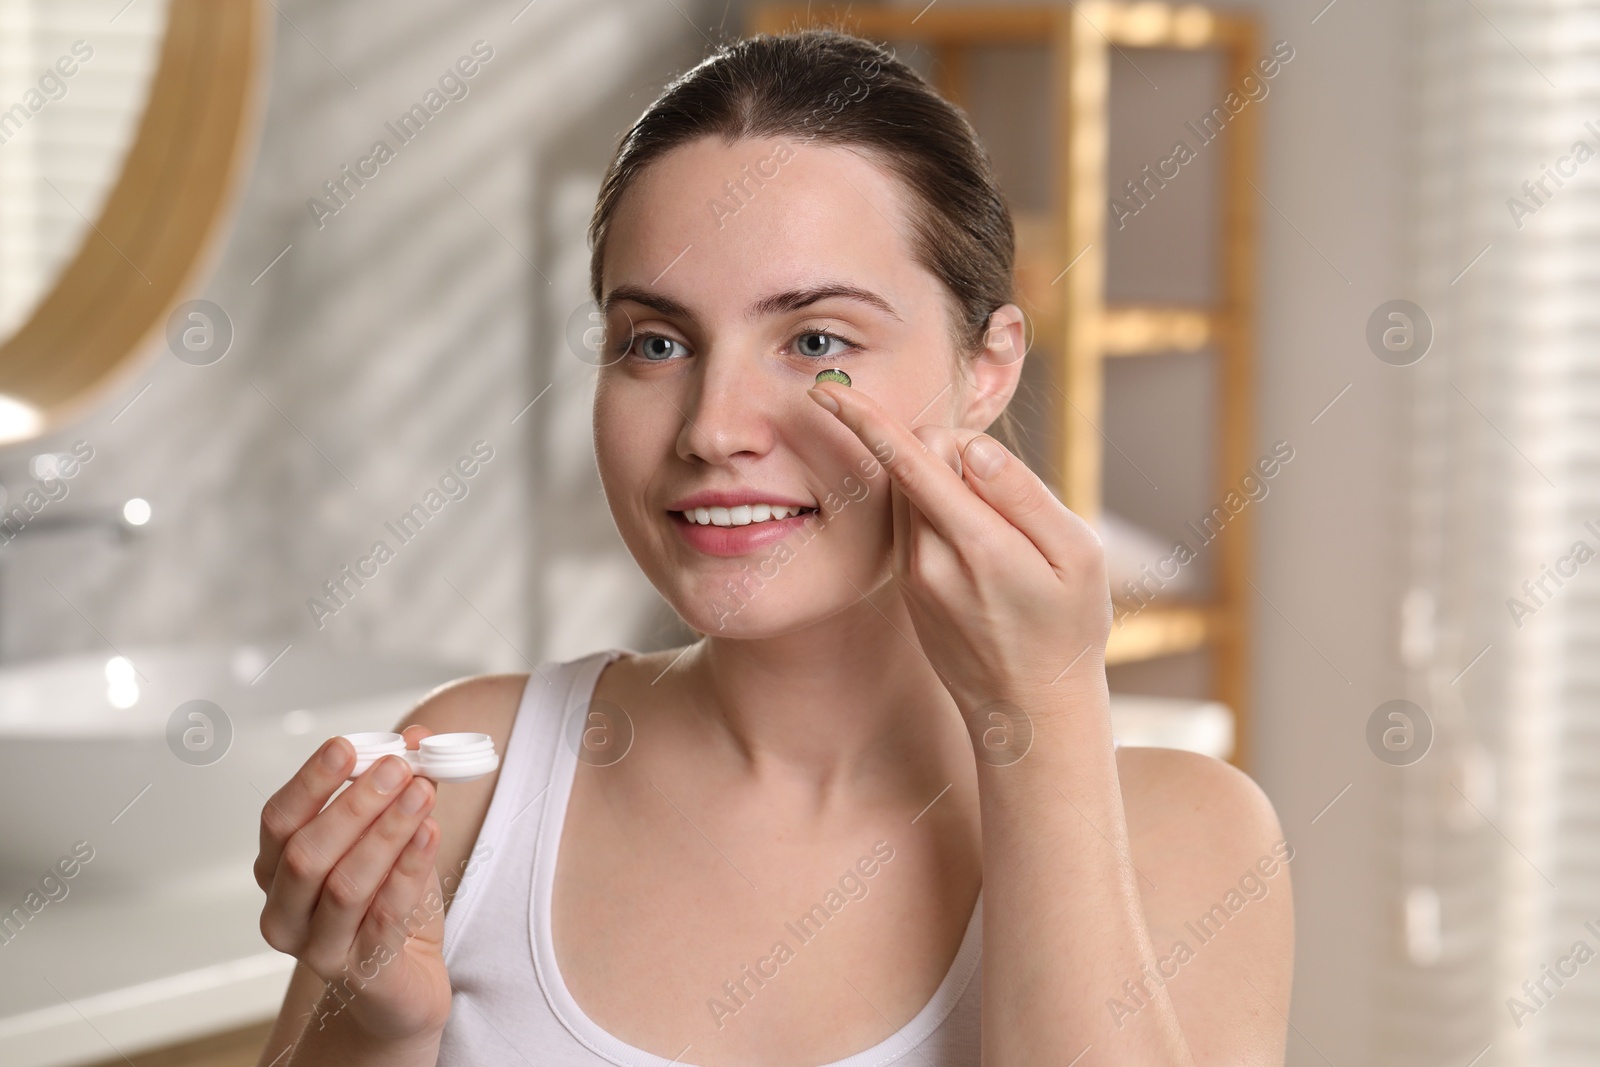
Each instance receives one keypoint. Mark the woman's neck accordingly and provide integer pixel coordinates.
(849, 705)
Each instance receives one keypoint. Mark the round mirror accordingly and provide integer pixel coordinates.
(124, 126)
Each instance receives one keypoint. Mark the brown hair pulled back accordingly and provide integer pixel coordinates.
(830, 87)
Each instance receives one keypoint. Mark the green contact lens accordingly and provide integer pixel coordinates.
(833, 374)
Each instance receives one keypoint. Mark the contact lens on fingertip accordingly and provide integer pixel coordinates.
(833, 374)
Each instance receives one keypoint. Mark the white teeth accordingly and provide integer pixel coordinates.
(742, 515)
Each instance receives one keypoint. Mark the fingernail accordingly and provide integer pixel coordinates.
(390, 771)
(984, 456)
(333, 756)
(824, 399)
(412, 799)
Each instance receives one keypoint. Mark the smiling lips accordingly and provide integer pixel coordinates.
(741, 514)
(729, 525)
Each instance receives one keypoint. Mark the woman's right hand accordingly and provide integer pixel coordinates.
(352, 891)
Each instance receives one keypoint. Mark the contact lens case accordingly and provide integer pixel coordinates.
(458, 757)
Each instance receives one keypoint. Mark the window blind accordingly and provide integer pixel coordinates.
(1495, 873)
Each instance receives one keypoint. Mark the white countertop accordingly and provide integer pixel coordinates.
(1204, 726)
(97, 975)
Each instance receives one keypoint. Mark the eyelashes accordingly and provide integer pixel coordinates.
(626, 346)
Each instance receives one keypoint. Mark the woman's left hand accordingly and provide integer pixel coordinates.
(1005, 584)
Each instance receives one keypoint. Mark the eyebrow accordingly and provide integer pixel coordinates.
(788, 300)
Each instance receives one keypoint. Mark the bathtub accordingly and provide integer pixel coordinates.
(151, 768)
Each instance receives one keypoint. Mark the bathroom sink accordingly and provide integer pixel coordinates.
(152, 767)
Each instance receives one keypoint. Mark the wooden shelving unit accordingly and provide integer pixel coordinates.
(1069, 306)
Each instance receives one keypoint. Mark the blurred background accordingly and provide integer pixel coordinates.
(274, 276)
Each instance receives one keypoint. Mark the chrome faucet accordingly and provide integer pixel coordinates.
(123, 520)
(17, 522)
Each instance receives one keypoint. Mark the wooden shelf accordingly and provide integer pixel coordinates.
(1129, 25)
(1164, 630)
(1142, 330)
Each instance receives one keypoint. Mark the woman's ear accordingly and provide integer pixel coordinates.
(997, 369)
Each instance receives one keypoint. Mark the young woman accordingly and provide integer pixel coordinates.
(875, 813)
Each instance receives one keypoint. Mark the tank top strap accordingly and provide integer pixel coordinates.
(546, 710)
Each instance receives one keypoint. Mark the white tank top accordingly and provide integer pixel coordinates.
(509, 1003)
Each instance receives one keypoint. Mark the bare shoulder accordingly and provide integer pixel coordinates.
(485, 704)
(1213, 873)
(1171, 789)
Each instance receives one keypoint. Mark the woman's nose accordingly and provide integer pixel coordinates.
(730, 409)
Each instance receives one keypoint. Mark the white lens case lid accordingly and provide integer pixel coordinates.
(453, 757)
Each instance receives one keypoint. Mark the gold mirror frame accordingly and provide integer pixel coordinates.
(157, 228)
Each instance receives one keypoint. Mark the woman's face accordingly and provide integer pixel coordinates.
(717, 271)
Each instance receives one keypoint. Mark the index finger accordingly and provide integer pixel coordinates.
(953, 509)
(300, 799)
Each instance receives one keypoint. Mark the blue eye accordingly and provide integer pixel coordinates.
(806, 351)
(650, 344)
(658, 348)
